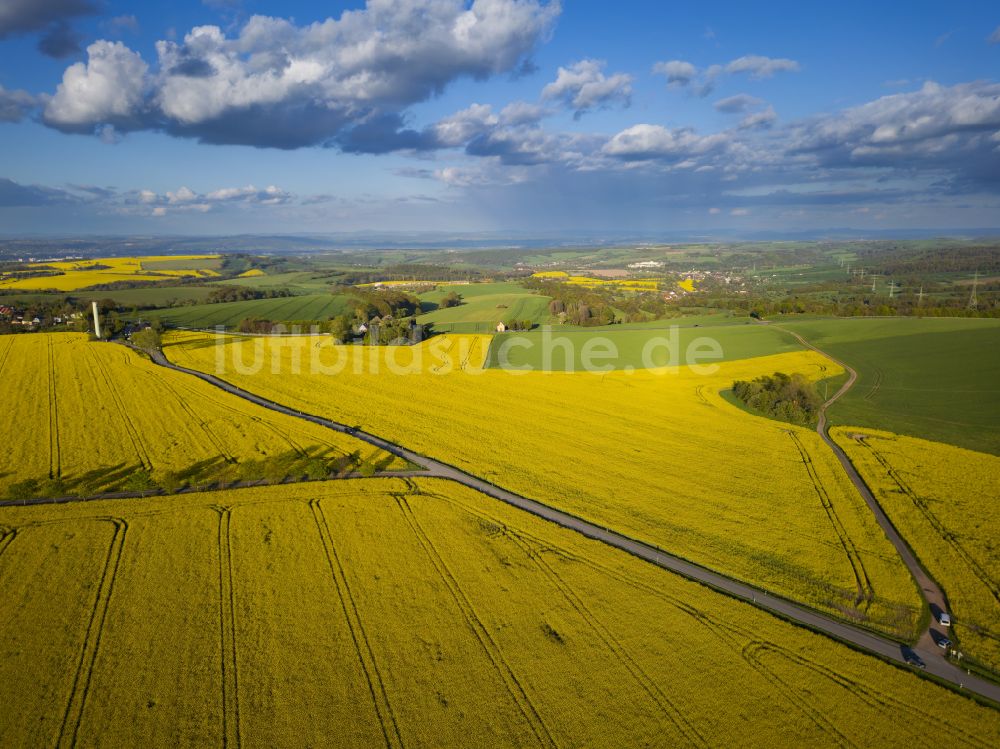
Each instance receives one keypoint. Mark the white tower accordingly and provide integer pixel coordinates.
(97, 320)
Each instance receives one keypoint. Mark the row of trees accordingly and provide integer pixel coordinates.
(856, 307)
(411, 272)
(222, 294)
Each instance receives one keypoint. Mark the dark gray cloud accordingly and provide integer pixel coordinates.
(952, 129)
(193, 67)
(737, 104)
(15, 195)
(95, 191)
(278, 85)
(51, 17)
(15, 105)
(60, 40)
(384, 134)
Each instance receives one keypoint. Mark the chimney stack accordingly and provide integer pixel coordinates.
(97, 320)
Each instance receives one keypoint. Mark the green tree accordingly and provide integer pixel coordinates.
(147, 339)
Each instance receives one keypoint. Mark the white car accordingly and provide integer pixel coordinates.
(944, 619)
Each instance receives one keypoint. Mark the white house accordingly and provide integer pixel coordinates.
(501, 328)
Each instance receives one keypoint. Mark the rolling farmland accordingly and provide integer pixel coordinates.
(935, 378)
(483, 306)
(84, 418)
(943, 500)
(655, 454)
(230, 314)
(283, 616)
(80, 274)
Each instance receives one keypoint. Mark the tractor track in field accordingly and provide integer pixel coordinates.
(73, 715)
(688, 733)
(741, 641)
(6, 352)
(864, 639)
(55, 463)
(362, 645)
(873, 391)
(133, 433)
(7, 536)
(865, 591)
(975, 568)
(231, 736)
(494, 653)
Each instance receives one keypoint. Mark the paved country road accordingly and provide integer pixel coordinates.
(931, 592)
(864, 639)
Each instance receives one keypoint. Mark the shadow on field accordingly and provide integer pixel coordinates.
(311, 463)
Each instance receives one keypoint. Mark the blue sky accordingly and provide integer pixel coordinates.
(220, 116)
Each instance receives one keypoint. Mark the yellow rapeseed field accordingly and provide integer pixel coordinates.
(83, 418)
(943, 500)
(658, 455)
(389, 613)
(646, 284)
(79, 274)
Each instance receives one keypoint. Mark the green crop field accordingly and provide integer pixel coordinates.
(636, 347)
(935, 378)
(484, 305)
(229, 314)
(168, 263)
(305, 280)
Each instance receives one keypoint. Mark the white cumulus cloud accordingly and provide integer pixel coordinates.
(277, 84)
(107, 89)
(584, 86)
(758, 66)
(677, 72)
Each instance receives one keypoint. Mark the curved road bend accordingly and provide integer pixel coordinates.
(863, 639)
(933, 596)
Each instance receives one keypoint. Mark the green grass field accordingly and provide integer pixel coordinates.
(638, 347)
(484, 305)
(167, 263)
(229, 314)
(304, 280)
(938, 378)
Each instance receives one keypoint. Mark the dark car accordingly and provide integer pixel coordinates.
(915, 660)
